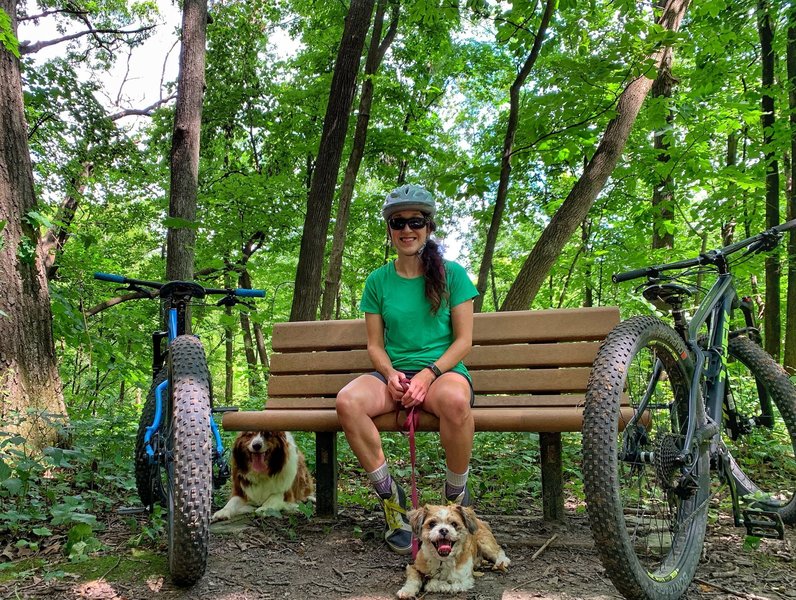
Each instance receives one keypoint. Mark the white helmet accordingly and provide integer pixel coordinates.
(408, 197)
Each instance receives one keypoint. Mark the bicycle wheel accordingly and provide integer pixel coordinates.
(647, 511)
(148, 476)
(765, 452)
(189, 465)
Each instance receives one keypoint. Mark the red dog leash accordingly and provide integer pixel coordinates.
(412, 420)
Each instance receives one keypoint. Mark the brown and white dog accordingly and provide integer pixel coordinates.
(452, 543)
(268, 473)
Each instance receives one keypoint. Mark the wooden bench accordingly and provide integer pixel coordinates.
(529, 370)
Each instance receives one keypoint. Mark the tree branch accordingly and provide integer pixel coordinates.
(119, 299)
(143, 112)
(28, 48)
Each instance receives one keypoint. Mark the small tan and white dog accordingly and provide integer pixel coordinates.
(268, 473)
(452, 543)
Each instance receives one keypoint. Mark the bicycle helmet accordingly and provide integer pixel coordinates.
(408, 197)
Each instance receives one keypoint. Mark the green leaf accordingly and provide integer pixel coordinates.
(177, 223)
(7, 37)
(751, 542)
(42, 531)
(36, 218)
(13, 485)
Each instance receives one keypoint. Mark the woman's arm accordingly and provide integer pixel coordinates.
(462, 323)
(374, 324)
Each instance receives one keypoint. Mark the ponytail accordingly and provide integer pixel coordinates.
(434, 273)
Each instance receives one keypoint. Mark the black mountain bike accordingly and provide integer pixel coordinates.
(179, 456)
(665, 406)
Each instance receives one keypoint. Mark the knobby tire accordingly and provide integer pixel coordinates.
(778, 496)
(648, 518)
(190, 465)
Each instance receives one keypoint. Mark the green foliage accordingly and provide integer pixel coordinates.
(439, 115)
(7, 38)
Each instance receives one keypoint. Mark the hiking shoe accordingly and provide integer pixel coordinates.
(462, 497)
(397, 532)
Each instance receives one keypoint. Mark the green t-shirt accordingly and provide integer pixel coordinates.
(413, 336)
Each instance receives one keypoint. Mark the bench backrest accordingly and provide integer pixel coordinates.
(537, 355)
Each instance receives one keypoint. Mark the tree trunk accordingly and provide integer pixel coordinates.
(29, 379)
(229, 349)
(259, 339)
(663, 194)
(181, 235)
(378, 48)
(255, 376)
(307, 293)
(585, 237)
(789, 359)
(56, 237)
(728, 227)
(255, 387)
(771, 318)
(505, 159)
(580, 199)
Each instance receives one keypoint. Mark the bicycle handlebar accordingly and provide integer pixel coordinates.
(240, 292)
(765, 240)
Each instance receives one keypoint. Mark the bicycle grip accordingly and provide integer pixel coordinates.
(110, 277)
(247, 293)
(628, 275)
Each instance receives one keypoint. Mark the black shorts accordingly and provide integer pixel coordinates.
(410, 374)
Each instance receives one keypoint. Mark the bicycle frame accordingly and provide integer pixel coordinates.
(177, 324)
(708, 390)
(176, 297)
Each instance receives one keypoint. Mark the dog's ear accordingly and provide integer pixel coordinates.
(239, 452)
(416, 519)
(468, 516)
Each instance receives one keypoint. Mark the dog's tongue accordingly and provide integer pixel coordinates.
(444, 548)
(258, 463)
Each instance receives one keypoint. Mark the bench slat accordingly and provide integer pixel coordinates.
(573, 354)
(520, 381)
(488, 328)
(537, 400)
(552, 420)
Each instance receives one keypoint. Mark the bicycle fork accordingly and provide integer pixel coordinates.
(222, 473)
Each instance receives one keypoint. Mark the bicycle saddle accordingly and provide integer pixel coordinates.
(667, 296)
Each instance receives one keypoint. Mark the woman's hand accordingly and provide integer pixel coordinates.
(395, 385)
(417, 388)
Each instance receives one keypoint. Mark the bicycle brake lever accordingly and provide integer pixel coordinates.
(233, 300)
(227, 301)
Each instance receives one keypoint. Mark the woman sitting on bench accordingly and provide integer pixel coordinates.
(419, 320)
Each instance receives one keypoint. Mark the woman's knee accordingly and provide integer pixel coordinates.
(345, 402)
(455, 407)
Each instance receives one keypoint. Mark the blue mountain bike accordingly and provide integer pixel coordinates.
(179, 455)
(704, 396)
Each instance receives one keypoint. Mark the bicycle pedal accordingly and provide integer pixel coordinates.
(764, 524)
(132, 510)
(224, 409)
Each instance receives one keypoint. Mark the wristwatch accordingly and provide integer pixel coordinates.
(434, 369)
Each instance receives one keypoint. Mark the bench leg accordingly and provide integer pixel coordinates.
(552, 477)
(326, 474)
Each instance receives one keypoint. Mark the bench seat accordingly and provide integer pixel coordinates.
(529, 368)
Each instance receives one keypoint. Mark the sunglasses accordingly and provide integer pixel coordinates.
(398, 223)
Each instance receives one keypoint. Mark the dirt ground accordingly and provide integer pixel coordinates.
(345, 559)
